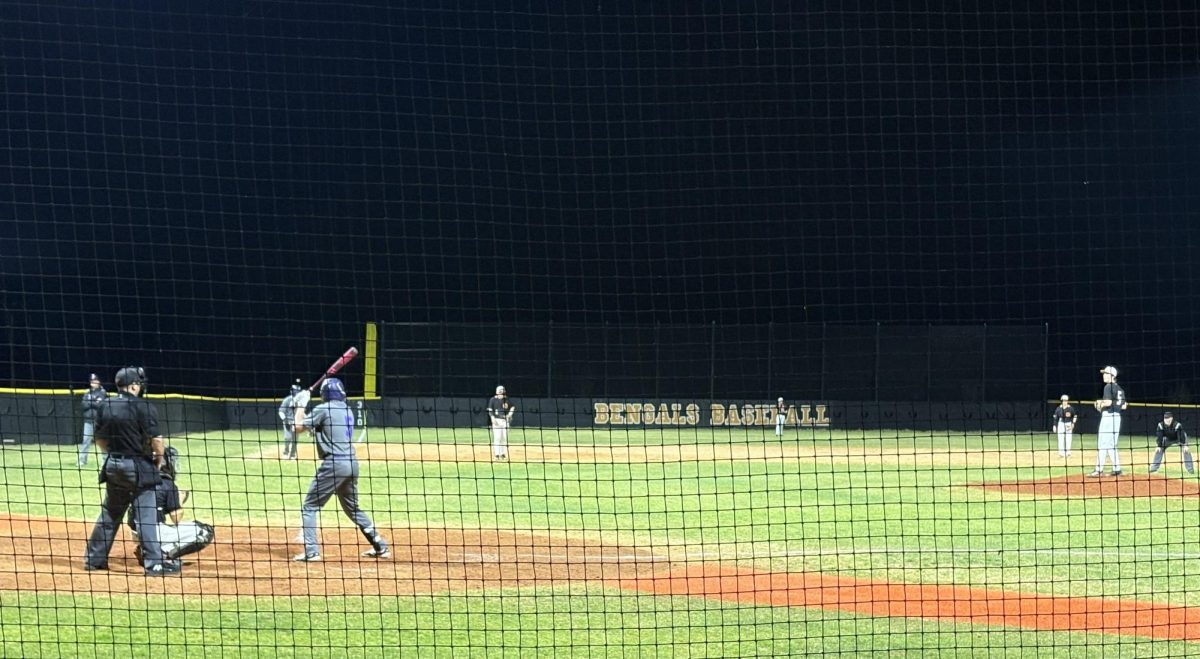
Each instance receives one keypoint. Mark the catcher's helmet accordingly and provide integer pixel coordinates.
(333, 389)
(131, 375)
(170, 462)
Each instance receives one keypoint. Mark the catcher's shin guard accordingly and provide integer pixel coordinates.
(204, 537)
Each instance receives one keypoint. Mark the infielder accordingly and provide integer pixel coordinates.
(1064, 425)
(1171, 432)
(780, 416)
(332, 426)
(177, 537)
(287, 416)
(1110, 406)
(92, 399)
(500, 413)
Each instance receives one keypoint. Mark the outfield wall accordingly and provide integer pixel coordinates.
(55, 418)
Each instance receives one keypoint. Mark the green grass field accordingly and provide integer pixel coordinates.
(876, 518)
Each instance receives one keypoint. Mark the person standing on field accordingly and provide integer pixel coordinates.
(1170, 432)
(1064, 425)
(92, 399)
(1110, 406)
(780, 416)
(332, 425)
(500, 413)
(127, 430)
(287, 416)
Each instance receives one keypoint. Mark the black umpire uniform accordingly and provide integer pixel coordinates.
(127, 429)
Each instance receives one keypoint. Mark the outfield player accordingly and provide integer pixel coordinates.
(287, 416)
(500, 413)
(1111, 404)
(332, 426)
(92, 399)
(127, 430)
(1064, 425)
(780, 416)
(177, 536)
(1170, 432)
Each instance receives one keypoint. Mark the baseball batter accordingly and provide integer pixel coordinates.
(287, 416)
(780, 416)
(500, 413)
(332, 426)
(1170, 432)
(1110, 406)
(1064, 425)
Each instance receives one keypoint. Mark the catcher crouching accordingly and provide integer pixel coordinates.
(177, 537)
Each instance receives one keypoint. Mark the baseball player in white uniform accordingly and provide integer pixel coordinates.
(780, 416)
(500, 413)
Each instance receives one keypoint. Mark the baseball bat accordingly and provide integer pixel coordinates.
(336, 366)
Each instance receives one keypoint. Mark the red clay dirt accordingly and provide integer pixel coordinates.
(44, 555)
(1079, 485)
(931, 602)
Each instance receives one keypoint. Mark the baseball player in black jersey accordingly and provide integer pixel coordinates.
(1064, 425)
(1110, 406)
(780, 416)
(1170, 432)
(500, 413)
(92, 399)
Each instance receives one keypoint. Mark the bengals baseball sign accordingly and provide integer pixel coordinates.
(659, 413)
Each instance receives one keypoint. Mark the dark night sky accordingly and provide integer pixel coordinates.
(227, 188)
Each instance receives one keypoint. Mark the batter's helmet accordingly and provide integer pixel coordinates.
(296, 387)
(333, 389)
(131, 375)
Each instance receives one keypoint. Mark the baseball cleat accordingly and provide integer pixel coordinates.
(386, 552)
(1117, 473)
(93, 568)
(165, 569)
(307, 558)
(1094, 474)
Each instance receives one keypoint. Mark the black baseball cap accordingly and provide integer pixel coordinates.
(1168, 414)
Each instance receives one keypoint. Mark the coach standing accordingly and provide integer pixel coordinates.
(127, 430)
(1110, 406)
(90, 403)
(500, 413)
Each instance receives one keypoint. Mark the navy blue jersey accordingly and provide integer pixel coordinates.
(1064, 413)
(1114, 392)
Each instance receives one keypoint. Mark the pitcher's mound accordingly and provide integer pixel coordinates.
(1079, 485)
